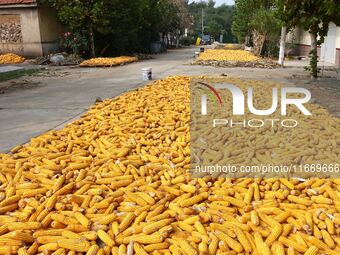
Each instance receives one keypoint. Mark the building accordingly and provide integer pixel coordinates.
(328, 52)
(27, 28)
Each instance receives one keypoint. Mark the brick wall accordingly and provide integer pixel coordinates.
(10, 33)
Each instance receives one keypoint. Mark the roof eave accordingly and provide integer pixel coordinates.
(11, 6)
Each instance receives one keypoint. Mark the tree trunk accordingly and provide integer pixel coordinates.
(177, 39)
(258, 40)
(314, 56)
(282, 45)
(91, 41)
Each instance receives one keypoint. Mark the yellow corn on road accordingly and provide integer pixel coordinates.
(105, 62)
(228, 55)
(11, 58)
(116, 181)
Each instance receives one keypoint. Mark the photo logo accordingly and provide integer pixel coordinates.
(239, 99)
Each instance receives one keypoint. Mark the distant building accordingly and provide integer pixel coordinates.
(329, 51)
(27, 28)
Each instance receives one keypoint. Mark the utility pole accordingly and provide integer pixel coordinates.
(202, 22)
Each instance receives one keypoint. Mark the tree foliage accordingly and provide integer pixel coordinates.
(313, 16)
(120, 26)
(217, 20)
(255, 24)
(244, 13)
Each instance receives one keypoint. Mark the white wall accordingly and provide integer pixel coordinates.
(30, 30)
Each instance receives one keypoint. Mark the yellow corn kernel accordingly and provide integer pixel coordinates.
(60, 251)
(149, 239)
(23, 226)
(3, 229)
(114, 251)
(261, 247)
(93, 250)
(139, 250)
(146, 197)
(233, 244)
(194, 200)
(63, 219)
(274, 235)
(90, 235)
(283, 216)
(106, 219)
(200, 228)
(78, 245)
(287, 183)
(293, 244)
(48, 247)
(330, 226)
(328, 239)
(33, 249)
(83, 220)
(286, 229)
(243, 240)
(299, 200)
(23, 251)
(122, 250)
(126, 222)
(8, 250)
(278, 249)
(254, 218)
(70, 234)
(203, 248)
(249, 195)
(22, 236)
(313, 250)
(48, 239)
(10, 200)
(186, 248)
(212, 248)
(157, 246)
(105, 238)
(188, 188)
(155, 226)
(315, 241)
(321, 200)
(290, 251)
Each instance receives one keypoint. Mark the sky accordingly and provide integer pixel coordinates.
(219, 2)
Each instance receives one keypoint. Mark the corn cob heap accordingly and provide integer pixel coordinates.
(231, 46)
(106, 62)
(11, 58)
(228, 55)
(116, 182)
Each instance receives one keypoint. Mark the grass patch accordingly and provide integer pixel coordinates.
(17, 73)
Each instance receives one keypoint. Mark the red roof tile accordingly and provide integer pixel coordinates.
(15, 2)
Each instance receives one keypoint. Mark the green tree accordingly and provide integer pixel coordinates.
(266, 28)
(255, 20)
(244, 13)
(314, 16)
(217, 20)
(120, 26)
(82, 16)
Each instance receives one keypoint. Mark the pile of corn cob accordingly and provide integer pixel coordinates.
(106, 62)
(230, 46)
(233, 58)
(228, 55)
(11, 58)
(315, 139)
(117, 181)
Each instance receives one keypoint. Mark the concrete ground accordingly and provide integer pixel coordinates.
(32, 105)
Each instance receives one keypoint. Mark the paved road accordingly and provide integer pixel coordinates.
(50, 102)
